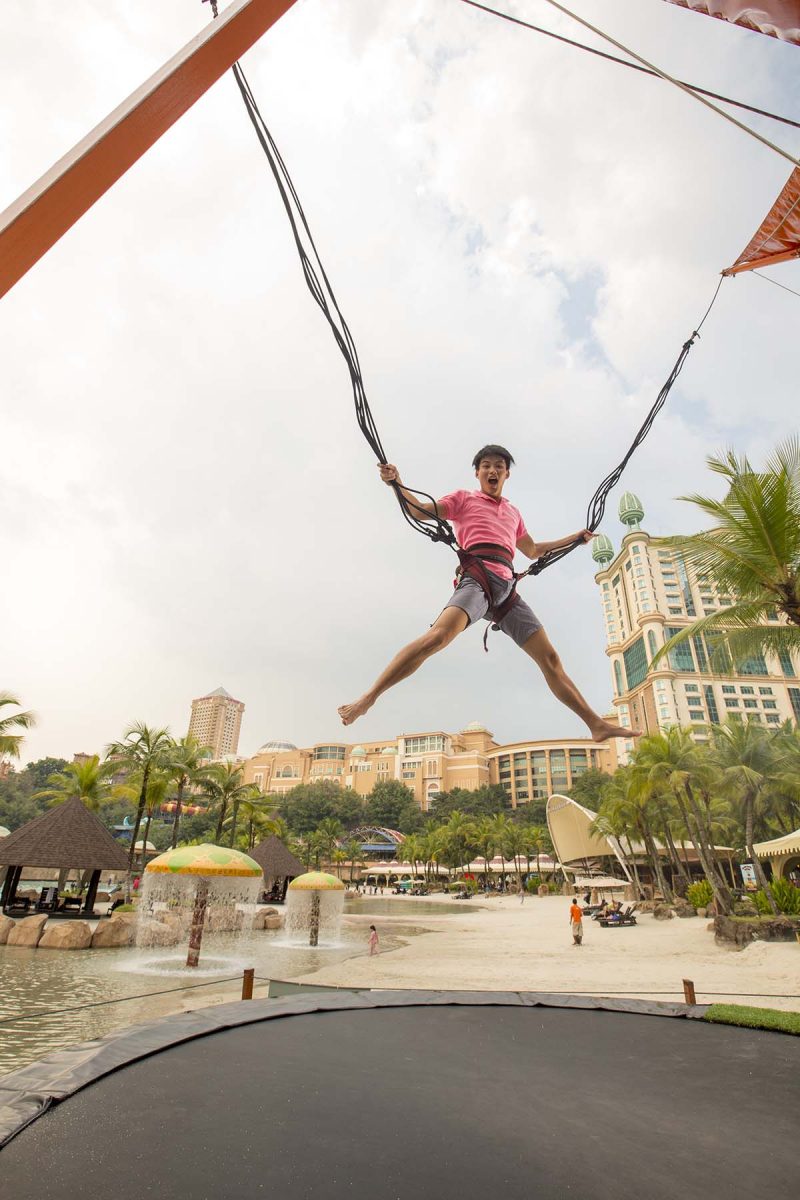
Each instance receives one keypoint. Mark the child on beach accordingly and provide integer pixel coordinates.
(373, 941)
(490, 529)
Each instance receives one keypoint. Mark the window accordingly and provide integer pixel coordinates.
(769, 704)
(680, 659)
(697, 716)
(731, 703)
(765, 691)
(416, 765)
(727, 689)
(748, 691)
(694, 701)
(794, 696)
(618, 676)
(700, 652)
(691, 687)
(751, 704)
(773, 719)
(785, 659)
(635, 659)
(419, 745)
(753, 666)
(578, 762)
(673, 611)
(651, 642)
(711, 704)
(628, 565)
(615, 581)
(335, 752)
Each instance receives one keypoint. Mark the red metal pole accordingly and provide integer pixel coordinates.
(43, 214)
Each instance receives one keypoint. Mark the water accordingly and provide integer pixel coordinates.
(41, 982)
(299, 917)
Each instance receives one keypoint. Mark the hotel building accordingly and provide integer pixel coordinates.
(216, 721)
(648, 594)
(431, 762)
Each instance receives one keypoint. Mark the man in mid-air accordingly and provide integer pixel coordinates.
(489, 528)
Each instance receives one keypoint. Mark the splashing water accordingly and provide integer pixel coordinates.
(301, 917)
(173, 906)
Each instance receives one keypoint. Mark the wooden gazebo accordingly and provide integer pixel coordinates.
(66, 837)
(279, 865)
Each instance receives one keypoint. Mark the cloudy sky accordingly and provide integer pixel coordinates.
(520, 236)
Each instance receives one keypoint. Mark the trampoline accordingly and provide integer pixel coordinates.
(400, 1095)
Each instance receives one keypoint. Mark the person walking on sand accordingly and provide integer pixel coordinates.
(576, 921)
(374, 947)
(489, 529)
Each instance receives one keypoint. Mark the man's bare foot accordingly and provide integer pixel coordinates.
(603, 730)
(351, 712)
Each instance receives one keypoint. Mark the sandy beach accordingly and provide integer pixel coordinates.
(499, 944)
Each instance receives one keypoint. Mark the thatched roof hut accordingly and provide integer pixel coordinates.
(68, 836)
(278, 864)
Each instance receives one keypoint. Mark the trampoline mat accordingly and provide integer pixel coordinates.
(422, 1101)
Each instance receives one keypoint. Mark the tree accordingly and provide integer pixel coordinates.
(10, 725)
(673, 760)
(225, 789)
(142, 750)
(752, 552)
(484, 801)
(587, 788)
(458, 838)
(87, 780)
(187, 766)
(746, 756)
(353, 852)
(329, 831)
(36, 774)
(309, 803)
(391, 805)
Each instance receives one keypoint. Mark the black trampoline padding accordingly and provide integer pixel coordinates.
(430, 1101)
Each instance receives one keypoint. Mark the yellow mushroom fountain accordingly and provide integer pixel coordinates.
(198, 877)
(315, 902)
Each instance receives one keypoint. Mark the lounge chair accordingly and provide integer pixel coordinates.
(48, 900)
(623, 917)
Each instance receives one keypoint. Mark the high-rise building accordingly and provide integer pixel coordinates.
(216, 721)
(648, 594)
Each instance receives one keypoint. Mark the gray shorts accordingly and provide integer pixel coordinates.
(519, 622)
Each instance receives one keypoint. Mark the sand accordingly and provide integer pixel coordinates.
(500, 944)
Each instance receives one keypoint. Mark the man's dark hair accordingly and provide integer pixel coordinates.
(493, 452)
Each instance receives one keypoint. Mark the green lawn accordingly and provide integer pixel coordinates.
(754, 1018)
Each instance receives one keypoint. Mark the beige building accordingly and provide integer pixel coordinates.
(216, 721)
(648, 593)
(429, 762)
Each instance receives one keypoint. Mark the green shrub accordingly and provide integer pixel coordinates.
(762, 903)
(787, 896)
(125, 908)
(700, 894)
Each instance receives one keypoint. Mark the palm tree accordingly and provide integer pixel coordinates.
(413, 850)
(459, 839)
(224, 787)
(329, 830)
(539, 842)
(353, 851)
(746, 756)
(615, 820)
(187, 765)
(673, 760)
(486, 834)
(514, 847)
(10, 741)
(87, 780)
(752, 552)
(262, 819)
(158, 786)
(142, 750)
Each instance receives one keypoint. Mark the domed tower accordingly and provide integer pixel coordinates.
(602, 549)
(631, 510)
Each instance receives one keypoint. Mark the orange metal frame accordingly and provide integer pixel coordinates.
(44, 213)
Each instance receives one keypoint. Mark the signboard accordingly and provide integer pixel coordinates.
(749, 877)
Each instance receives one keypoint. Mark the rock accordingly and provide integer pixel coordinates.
(745, 908)
(156, 933)
(711, 927)
(543, 889)
(646, 906)
(67, 935)
(662, 912)
(274, 921)
(119, 930)
(737, 934)
(685, 910)
(263, 915)
(702, 912)
(28, 931)
(6, 925)
(170, 919)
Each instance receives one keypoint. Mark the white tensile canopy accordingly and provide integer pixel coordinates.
(569, 822)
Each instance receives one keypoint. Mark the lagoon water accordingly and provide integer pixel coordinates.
(55, 998)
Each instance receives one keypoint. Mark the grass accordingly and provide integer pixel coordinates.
(754, 1018)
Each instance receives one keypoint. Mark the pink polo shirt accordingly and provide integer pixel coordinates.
(480, 518)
